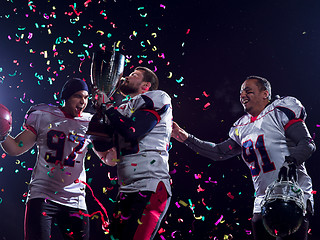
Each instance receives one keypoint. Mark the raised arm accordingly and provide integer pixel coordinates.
(141, 122)
(18, 145)
(217, 152)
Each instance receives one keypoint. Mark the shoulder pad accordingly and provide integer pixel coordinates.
(155, 99)
(291, 107)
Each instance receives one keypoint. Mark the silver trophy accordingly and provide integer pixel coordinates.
(106, 73)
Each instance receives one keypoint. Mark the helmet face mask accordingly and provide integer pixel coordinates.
(283, 208)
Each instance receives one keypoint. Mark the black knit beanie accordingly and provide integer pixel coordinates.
(72, 86)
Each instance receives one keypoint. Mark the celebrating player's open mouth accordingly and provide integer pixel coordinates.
(244, 101)
(79, 110)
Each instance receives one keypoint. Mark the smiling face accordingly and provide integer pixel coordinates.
(252, 98)
(76, 104)
(134, 84)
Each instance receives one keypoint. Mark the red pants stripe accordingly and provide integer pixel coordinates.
(138, 215)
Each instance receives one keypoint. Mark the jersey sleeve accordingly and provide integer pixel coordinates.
(217, 152)
(290, 110)
(234, 132)
(32, 119)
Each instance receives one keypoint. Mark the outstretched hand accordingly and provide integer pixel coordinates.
(178, 133)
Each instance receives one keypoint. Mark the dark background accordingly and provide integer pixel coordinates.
(209, 48)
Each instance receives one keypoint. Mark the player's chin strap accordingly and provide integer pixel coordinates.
(105, 223)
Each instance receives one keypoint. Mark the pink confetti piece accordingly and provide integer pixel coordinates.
(205, 94)
(219, 220)
(230, 195)
(142, 195)
(197, 176)
(86, 3)
(200, 189)
(205, 107)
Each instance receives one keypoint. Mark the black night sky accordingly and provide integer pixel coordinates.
(201, 50)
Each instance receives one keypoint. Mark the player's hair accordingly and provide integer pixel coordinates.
(149, 76)
(263, 84)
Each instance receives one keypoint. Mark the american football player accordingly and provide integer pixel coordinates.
(143, 128)
(55, 189)
(267, 135)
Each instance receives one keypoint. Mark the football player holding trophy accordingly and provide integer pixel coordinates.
(106, 75)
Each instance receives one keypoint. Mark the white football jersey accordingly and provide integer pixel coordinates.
(62, 148)
(264, 145)
(144, 163)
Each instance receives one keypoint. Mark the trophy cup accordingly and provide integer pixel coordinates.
(106, 72)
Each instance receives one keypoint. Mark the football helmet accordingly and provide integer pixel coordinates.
(283, 206)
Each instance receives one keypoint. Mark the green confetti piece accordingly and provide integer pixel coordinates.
(89, 181)
(179, 80)
(113, 238)
(13, 74)
(90, 146)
